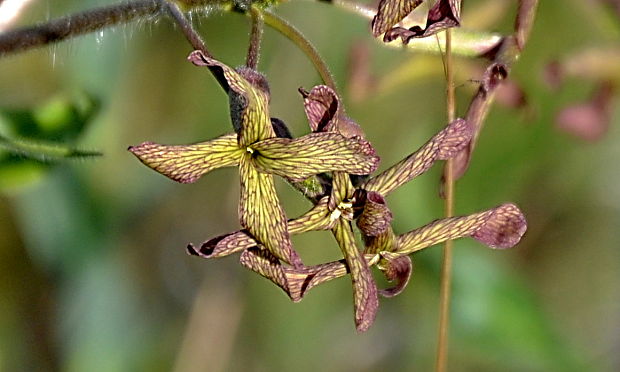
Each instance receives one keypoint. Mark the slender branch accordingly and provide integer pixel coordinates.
(186, 27)
(293, 34)
(255, 38)
(465, 43)
(60, 29)
(502, 59)
(446, 269)
(76, 24)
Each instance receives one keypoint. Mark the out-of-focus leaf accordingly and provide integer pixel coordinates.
(47, 152)
(31, 140)
(62, 118)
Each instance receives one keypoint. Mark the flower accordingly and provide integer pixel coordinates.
(339, 160)
(444, 14)
(500, 227)
(259, 154)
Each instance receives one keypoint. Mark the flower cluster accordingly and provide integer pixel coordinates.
(331, 166)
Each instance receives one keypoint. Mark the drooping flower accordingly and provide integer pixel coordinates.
(259, 153)
(500, 227)
(444, 14)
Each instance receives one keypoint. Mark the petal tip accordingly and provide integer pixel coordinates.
(504, 229)
(198, 58)
(191, 250)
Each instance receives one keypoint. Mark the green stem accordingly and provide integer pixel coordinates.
(294, 35)
(43, 151)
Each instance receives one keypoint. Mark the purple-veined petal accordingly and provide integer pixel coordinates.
(248, 103)
(223, 245)
(267, 265)
(315, 219)
(261, 214)
(500, 227)
(365, 297)
(444, 14)
(390, 12)
(376, 217)
(322, 106)
(314, 153)
(186, 163)
(296, 282)
(396, 269)
(325, 114)
(442, 146)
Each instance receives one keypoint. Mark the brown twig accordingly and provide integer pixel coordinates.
(186, 27)
(256, 34)
(76, 24)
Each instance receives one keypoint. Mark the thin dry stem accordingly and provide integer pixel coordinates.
(446, 270)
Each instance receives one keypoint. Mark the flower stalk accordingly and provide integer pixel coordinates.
(294, 35)
(256, 35)
(446, 267)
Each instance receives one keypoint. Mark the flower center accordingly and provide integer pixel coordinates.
(343, 209)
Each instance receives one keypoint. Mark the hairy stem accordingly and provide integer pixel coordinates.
(446, 269)
(293, 34)
(186, 27)
(93, 20)
(76, 24)
(256, 36)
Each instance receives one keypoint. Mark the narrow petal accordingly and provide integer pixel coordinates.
(296, 282)
(444, 14)
(261, 214)
(500, 227)
(376, 216)
(223, 245)
(300, 281)
(300, 158)
(396, 269)
(364, 287)
(391, 12)
(321, 105)
(342, 196)
(266, 264)
(442, 146)
(248, 103)
(325, 114)
(315, 219)
(186, 163)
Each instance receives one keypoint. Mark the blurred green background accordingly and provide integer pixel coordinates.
(93, 270)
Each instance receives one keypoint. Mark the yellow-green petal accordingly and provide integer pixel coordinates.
(261, 214)
(248, 103)
(186, 163)
(444, 145)
(299, 158)
(500, 227)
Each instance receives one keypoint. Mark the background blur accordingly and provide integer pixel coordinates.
(93, 270)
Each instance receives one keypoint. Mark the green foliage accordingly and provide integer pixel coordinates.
(33, 140)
